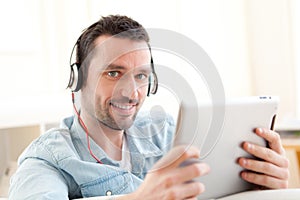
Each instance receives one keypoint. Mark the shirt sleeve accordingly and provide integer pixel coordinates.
(37, 179)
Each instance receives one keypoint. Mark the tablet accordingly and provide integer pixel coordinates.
(219, 130)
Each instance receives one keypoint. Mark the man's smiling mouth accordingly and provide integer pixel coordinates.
(122, 106)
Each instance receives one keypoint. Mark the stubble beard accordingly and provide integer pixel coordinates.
(116, 123)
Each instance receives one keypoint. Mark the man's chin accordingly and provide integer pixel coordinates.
(123, 125)
(117, 122)
(120, 123)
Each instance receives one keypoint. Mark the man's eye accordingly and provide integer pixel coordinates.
(113, 74)
(141, 76)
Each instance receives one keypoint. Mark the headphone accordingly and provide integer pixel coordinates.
(76, 75)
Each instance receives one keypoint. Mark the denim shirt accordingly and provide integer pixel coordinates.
(58, 164)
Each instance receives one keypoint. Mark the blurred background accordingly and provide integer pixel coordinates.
(254, 45)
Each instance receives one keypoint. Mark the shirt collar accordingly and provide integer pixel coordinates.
(81, 144)
(139, 145)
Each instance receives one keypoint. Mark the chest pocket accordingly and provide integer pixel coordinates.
(113, 183)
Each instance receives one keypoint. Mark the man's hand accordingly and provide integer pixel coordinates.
(272, 170)
(167, 180)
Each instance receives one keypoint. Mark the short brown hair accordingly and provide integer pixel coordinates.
(115, 25)
(110, 25)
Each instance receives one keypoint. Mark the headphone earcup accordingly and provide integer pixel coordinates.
(79, 78)
(153, 80)
(152, 84)
(75, 81)
(149, 85)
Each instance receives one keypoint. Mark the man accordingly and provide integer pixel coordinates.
(107, 148)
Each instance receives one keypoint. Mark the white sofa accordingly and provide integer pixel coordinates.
(282, 194)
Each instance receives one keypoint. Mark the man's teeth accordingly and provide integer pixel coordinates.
(122, 106)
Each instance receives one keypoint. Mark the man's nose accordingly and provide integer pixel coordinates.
(128, 87)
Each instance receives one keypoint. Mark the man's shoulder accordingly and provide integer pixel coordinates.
(53, 145)
(56, 136)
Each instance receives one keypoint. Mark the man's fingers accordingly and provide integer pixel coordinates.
(175, 157)
(264, 168)
(273, 139)
(266, 154)
(271, 170)
(186, 191)
(190, 172)
(264, 180)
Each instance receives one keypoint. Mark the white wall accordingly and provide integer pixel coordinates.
(244, 38)
(271, 54)
(295, 21)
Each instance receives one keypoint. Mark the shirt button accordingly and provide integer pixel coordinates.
(108, 193)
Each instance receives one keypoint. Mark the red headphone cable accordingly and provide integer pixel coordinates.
(85, 130)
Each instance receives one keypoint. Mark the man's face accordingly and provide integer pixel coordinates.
(117, 81)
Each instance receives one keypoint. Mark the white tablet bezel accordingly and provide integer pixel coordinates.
(221, 150)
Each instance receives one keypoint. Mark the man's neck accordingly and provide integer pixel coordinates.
(108, 139)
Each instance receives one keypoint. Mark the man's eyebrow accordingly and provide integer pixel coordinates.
(145, 69)
(114, 67)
